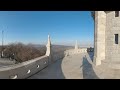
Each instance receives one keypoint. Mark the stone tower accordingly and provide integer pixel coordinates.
(106, 37)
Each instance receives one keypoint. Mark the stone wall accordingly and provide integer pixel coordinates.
(112, 28)
(73, 51)
(25, 69)
(57, 56)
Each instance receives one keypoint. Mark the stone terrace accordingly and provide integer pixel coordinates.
(76, 67)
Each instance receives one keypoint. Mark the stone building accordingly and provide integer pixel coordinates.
(106, 37)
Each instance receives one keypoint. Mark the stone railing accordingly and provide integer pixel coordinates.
(73, 51)
(24, 69)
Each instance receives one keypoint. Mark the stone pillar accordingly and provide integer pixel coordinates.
(76, 45)
(48, 46)
(76, 48)
(99, 37)
(2, 54)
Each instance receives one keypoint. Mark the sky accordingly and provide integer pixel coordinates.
(64, 27)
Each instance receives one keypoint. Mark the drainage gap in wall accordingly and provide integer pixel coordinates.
(44, 62)
(38, 66)
(28, 71)
(13, 77)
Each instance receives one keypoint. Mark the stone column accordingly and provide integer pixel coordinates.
(2, 54)
(76, 45)
(99, 37)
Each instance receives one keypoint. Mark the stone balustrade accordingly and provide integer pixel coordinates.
(75, 51)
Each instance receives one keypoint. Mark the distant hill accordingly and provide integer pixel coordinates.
(59, 48)
(55, 48)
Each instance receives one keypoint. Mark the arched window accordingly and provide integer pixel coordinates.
(116, 13)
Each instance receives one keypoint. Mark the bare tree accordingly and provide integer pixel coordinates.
(21, 52)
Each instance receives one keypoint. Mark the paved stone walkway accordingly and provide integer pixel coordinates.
(77, 67)
(105, 72)
(71, 67)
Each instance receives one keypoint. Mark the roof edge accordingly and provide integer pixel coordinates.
(93, 13)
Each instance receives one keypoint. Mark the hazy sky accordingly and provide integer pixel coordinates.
(64, 27)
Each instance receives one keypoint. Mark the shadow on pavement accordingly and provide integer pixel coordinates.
(88, 72)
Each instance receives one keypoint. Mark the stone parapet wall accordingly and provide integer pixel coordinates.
(25, 69)
(28, 68)
(57, 56)
(73, 51)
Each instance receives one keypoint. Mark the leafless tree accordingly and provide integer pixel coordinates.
(21, 52)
